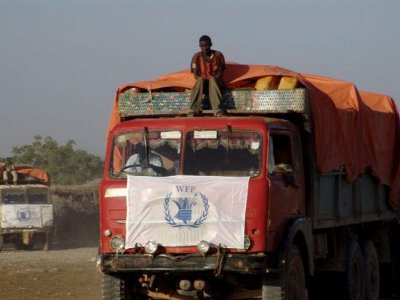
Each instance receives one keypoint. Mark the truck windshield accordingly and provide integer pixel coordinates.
(152, 153)
(222, 153)
(37, 196)
(14, 197)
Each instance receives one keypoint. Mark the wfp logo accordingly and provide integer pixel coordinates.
(23, 215)
(188, 207)
(185, 209)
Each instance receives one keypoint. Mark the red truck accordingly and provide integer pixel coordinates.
(297, 181)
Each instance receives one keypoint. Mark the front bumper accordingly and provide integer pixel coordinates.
(230, 262)
(25, 230)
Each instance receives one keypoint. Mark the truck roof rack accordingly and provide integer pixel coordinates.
(243, 101)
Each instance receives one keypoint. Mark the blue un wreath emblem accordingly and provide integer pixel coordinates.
(183, 208)
(23, 215)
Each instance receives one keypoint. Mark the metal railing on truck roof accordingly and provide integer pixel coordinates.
(234, 102)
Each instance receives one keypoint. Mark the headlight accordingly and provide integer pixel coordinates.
(203, 247)
(117, 243)
(247, 242)
(151, 247)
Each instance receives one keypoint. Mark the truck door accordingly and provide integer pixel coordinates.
(286, 188)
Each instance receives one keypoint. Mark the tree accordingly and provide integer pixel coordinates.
(64, 164)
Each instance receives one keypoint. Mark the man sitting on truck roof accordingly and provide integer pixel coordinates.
(207, 66)
(9, 168)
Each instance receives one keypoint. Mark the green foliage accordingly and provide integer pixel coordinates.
(64, 164)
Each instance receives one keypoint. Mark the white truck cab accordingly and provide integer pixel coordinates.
(26, 216)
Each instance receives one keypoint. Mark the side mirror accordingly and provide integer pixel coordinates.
(287, 171)
(282, 168)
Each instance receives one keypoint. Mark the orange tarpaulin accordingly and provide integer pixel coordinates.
(352, 130)
(41, 175)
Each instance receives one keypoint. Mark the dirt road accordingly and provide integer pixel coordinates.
(56, 274)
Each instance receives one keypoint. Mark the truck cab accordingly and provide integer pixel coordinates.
(265, 151)
(26, 214)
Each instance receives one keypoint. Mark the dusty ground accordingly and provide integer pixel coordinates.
(68, 272)
(56, 274)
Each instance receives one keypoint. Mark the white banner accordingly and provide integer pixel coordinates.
(184, 210)
(26, 215)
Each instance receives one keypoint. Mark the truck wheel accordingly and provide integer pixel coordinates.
(113, 287)
(354, 275)
(19, 245)
(47, 242)
(38, 242)
(1, 242)
(291, 285)
(295, 281)
(371, 267)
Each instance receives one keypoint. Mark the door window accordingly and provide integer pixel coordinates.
(280, 154)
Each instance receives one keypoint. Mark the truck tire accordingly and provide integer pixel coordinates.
(1, 242)
(19, 245)
(371, 267)
(38, 242)
(295, 279)
(354, 274)
(291, 285)
(48, 243)
(117, 287)
(112, 287)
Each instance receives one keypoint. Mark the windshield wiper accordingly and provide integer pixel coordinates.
(123, 170)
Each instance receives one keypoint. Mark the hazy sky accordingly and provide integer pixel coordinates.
(62, 61)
